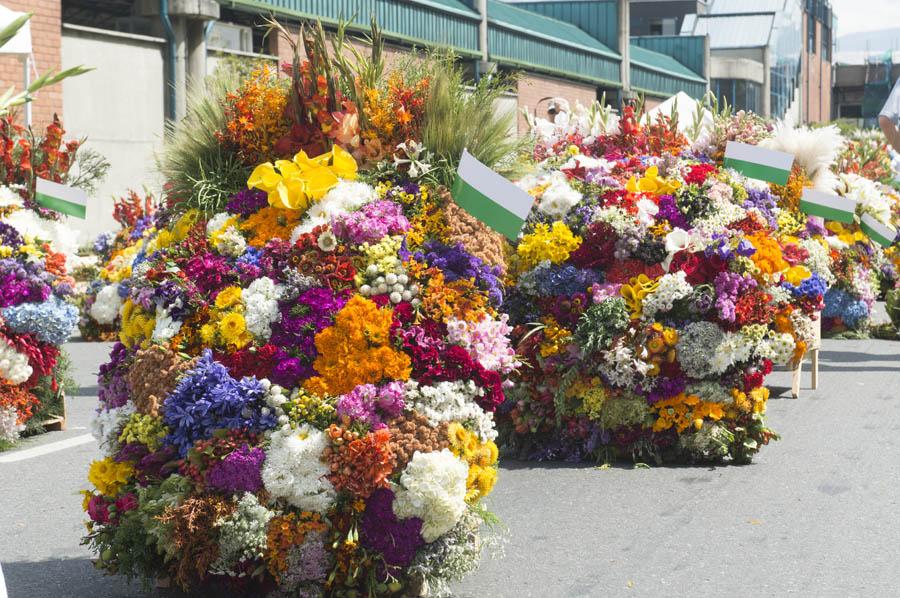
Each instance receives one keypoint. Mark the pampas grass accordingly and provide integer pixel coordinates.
(815, 150)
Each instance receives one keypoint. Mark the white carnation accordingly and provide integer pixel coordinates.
(432, 488)
(672, 287)
(294, 470)
(106, 426)
(559, 198)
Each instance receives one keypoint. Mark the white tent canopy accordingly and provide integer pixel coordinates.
(21, 43)
(686, 108)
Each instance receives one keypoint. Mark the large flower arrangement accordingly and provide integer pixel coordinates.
(302, 397)
(652, 295)
(36, 313)
(102, 299)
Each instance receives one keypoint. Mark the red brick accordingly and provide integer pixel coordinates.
(534, 88)
(46, 41)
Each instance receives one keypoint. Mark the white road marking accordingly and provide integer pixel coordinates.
(45, 449)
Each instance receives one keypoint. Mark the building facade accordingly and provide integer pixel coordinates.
(146, 52)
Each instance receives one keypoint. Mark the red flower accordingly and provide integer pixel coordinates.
(698, 173)
(698, 267)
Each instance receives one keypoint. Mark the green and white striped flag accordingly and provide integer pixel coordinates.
(759, 163)
(828, 206)
(878, 232)
(62, 198)
(489, 197)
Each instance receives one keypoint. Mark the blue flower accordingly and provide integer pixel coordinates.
(209, 399)
(52, 321)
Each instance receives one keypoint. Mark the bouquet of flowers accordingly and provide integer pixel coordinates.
(301, 399)
(651, 295)
(101, 299)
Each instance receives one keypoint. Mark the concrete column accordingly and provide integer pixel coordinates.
(707, 59)
(624, 46)
(196, 47)
(767, 83)
(483, 29)
(179, 24)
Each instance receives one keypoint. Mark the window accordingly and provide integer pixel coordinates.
(851, 111)
(656, 27)
(739, 93)
(811, 32)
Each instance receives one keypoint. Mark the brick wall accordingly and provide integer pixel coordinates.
(46, 39)
(815, 80)
(278, 46)
(533, 88)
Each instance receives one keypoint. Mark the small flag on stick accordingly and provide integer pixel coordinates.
(878, 232)
(759, 163)
(62, 198)
(489, 197)
(828, 206)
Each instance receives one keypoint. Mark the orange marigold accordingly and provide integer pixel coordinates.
(270, 223)
(356, 350)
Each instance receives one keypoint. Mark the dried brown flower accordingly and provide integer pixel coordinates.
(412, 432)
(154, 375)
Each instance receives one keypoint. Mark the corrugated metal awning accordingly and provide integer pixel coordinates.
(732, 31)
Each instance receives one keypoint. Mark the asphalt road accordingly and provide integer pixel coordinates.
(814, 515)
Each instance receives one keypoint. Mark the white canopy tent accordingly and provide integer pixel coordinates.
(19, 45)
(686, 108)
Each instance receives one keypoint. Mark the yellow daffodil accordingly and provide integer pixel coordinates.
(652, 183)
(295, 184)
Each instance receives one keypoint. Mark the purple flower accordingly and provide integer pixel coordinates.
(240, 471)
(745, 248)
(379, 529)
(247, 202)
(668, 209)
(371, 223)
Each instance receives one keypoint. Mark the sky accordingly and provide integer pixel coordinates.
(866, 15)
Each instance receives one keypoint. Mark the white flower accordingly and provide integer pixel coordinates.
(672, 287)
(231, 242)
(294, 470)
(451, 402)
(345, 197)
(646, 211)
(107, 304)
(261, 306)
(106, 426)
(559, 198)
(9, 197)
(432, 488)
(166, 326)
(14, 366)
(242, 535)
(327, 241)
(217, 222)
(10, 428)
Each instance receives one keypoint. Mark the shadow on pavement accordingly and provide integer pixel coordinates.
(70, 578)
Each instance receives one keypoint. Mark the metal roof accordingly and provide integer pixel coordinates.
(560, 31)
(731, 31)
(662, 63)
(731, 7)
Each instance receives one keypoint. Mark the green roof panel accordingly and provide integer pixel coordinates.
(663, 63)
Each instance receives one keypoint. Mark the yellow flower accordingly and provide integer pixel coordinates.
(651, 182)
(295, 184)
(231, 327)
(208, 334)
(228, 297)
(109, 476)
(796, 275)
(546, 243)
(634, 293)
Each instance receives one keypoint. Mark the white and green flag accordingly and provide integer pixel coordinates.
(759, 163)
(878, 232)
(489, 197)
(828, 206)
(62, 198)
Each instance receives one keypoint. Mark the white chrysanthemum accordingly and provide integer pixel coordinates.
(559, 198)
(777, 347)
(733, 350)
(107, 424)
(62, 237)
(294, 470)
(107, 304)
(451, 402)
(432, 488)
(14, 366)
(819, 260)
(345, 197)
(868, 194)
(261, 306)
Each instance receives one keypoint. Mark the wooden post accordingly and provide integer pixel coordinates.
(813, 351)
